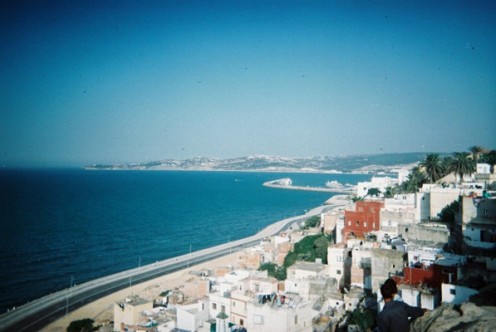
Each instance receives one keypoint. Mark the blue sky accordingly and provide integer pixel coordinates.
(85, 82)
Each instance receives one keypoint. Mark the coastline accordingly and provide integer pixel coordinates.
(101, 310)
(206, 169)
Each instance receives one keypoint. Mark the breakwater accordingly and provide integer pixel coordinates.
(285, 185)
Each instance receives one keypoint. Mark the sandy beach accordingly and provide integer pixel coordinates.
(101, 310)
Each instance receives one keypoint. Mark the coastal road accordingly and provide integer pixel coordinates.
(35, 315)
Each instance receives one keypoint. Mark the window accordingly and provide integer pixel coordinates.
(373, 225)
(338, 271)
(258, 319)
(241, 322)
(349, 223)
(364, 224)
(453, 291)
(223, 308)
(358, 223)
(296, 319)
(234, 303)
(214, 306)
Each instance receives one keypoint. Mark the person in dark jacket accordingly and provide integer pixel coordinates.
(394, 316)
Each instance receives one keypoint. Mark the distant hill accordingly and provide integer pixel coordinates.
(345, 164)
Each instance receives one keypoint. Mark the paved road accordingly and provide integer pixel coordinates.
(39, 313)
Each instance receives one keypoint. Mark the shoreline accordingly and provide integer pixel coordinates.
(101, 310)
(262, 170)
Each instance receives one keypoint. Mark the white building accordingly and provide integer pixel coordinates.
(455, 294)
(419, 297)
(299, 275)
(477, 221)
(289, 313)
(336, 257)
(129, 312)
(399, 210)
(380, 183)
(219, 303)
(192, 316)
(435, 197)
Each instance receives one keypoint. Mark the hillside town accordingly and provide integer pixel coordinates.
(446, 265)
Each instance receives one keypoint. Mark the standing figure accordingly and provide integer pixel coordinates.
(394, 316)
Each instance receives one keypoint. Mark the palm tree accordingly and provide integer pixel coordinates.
(433, 168)
(476, 151)
(415, 180)
(389, 192)
(445, 164)
(461, 164)
(490, 158)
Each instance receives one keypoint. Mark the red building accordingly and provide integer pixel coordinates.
(432, 276)
(365, 218)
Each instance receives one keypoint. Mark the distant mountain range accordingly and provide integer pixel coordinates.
(346, 164)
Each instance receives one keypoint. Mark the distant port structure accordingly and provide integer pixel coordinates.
(331, 187)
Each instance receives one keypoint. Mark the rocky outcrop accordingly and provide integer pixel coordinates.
(464, 317)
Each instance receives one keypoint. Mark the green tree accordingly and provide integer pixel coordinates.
(433, 167)
(363, 318)
(448, 213)
(290, 258)
(273, 270)
(490, 158)
(320, 245)
(389, 192)
(445, 162)
(414, 181)
(373, 192)
(462, 165)
(269, 267)
(82, 325)
(308, 249)
(476, 151)
(355, 198)
(312, 222)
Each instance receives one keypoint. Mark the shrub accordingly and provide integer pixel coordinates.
(82, 325)
(273, 270)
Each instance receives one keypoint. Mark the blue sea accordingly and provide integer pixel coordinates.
(63, 225)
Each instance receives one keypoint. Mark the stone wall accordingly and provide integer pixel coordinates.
(384, 263)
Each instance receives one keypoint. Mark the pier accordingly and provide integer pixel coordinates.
(284, 185)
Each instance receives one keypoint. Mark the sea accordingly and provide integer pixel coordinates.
(60, 227)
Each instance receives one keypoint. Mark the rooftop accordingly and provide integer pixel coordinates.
(134, 300)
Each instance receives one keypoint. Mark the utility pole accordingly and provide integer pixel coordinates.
(189, 257)
(229, 243)
(69, 292)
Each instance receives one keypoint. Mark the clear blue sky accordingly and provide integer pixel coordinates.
(86, 82)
